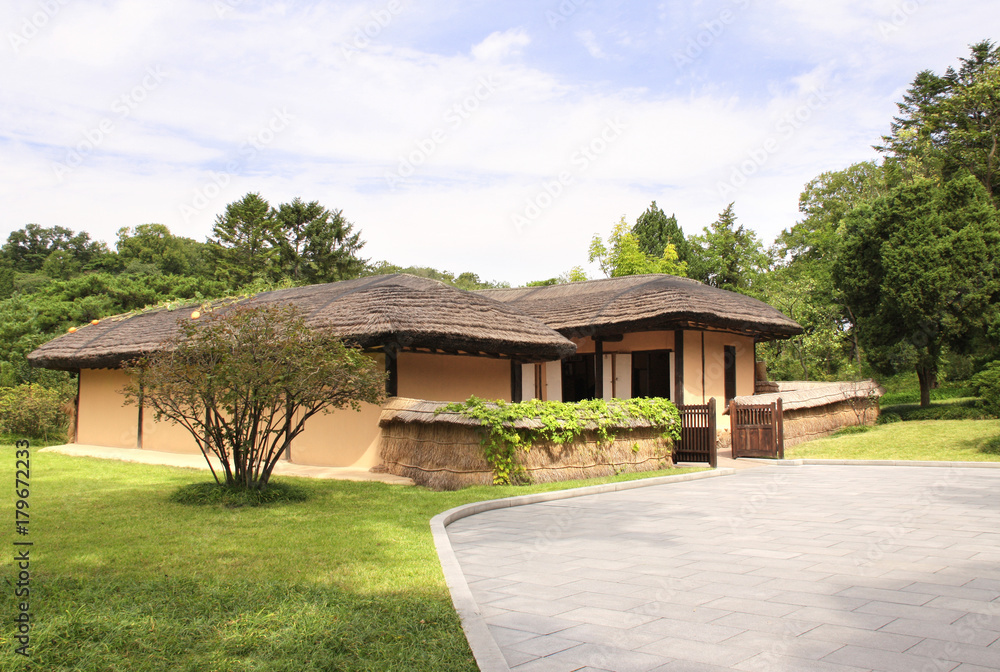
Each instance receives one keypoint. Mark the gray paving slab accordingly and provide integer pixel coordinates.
(813, 567)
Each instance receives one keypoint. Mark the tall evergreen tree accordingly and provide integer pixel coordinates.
(655, 231)
(949, 124)
(316, 244)
(728, 255)
(624, 256)
(243, 246)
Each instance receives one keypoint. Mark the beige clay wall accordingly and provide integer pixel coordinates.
(693, 392)
(103, 418)
(344, 438)
(715, 368)
(452, 377)
(166, 436)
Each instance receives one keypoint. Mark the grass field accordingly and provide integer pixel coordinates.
(124, 579)
(948, 440)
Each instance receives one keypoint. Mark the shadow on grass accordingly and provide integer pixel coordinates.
(960, 409)
(991, 447)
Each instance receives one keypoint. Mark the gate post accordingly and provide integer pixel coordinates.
(732, 427)
(713, 447)
(779, 431)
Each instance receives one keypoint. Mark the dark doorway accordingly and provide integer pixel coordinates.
(651, 374)
(579, 377)
(730, 353)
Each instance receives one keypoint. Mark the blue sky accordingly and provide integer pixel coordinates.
(493, 137)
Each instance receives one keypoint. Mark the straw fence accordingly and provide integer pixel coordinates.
(814, 410)
(444, 451)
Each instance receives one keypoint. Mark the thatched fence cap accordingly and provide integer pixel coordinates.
(814, 396)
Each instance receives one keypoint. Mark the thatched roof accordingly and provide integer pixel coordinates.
(814, 395)
(646, 303)
(401, 311)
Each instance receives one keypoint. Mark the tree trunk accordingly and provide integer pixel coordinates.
(854, 337)
(927, 377)
(802, 359)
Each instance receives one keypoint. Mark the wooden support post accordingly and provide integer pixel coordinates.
(713, 447)
(732, 428)
(779, 429)
(598, 368)
(679, 366)
(138, 435)
(392, 369)
(516, 386)
(76, 412)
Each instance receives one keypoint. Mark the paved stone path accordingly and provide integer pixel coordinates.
(828, 568)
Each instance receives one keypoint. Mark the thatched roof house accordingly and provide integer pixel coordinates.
(646, 303)
(652, 335)
(399, 311)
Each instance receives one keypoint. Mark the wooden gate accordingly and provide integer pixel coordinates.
(757, 430)
(697, 442)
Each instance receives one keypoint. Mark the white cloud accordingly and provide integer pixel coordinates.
(485, 127)
(589, 41)
(500, 45)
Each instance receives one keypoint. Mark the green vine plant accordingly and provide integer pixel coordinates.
(556, 422)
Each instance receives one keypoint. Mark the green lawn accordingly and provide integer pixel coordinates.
(948, 440)
(123, 579)
(956, 408)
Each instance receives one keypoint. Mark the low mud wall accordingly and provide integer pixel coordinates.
(446, 456)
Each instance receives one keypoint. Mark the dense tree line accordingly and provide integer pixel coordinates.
(52, 278)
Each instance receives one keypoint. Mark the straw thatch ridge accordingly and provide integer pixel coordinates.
(646, 303)
(815, 396)
(399, 311)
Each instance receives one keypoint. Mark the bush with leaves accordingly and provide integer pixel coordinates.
(986, 386)
(33, 411)
(244, 381)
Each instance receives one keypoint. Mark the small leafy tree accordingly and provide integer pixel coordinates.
(624, 255)
(244, 381)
